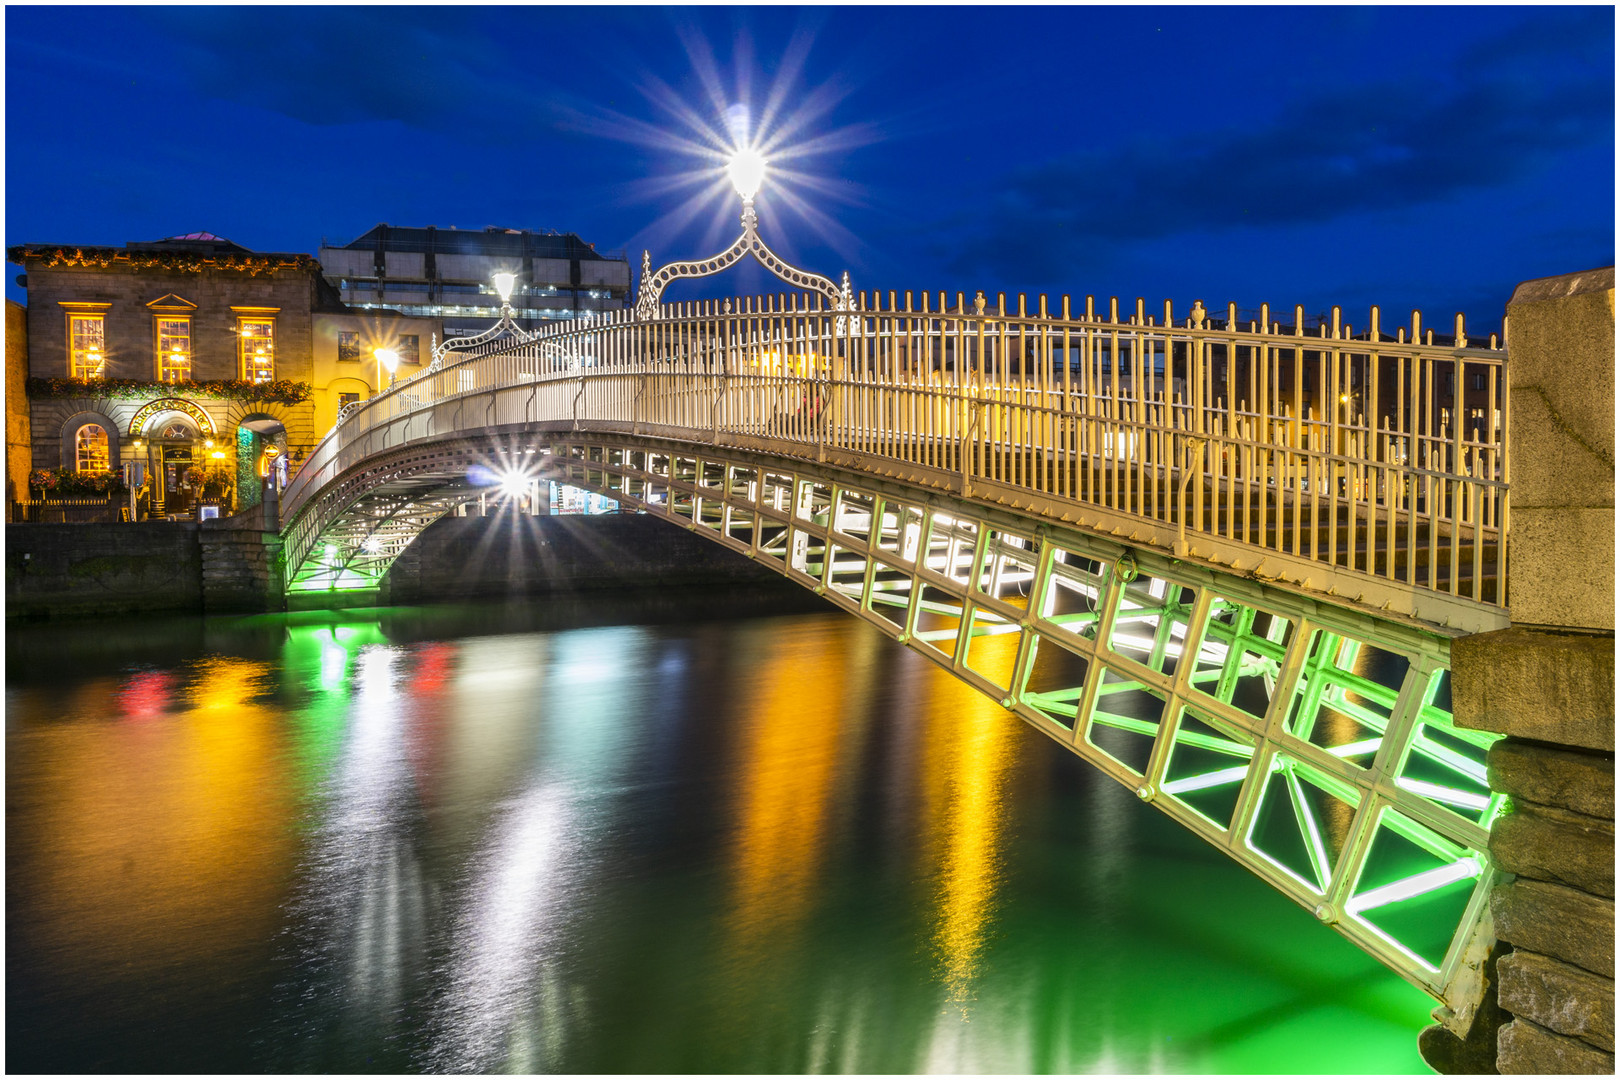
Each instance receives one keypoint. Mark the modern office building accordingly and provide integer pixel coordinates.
(446, 274)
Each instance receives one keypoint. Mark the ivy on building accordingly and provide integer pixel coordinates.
(281, 391)
(185, 261)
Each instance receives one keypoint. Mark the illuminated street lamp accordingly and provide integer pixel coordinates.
(504, 284)
(747, 169)
(389, 359)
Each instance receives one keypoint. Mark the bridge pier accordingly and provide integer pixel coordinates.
(1547, 683)
(242, 565)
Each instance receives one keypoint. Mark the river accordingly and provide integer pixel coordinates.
(616, 835)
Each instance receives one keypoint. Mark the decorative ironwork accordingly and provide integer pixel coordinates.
(505, 326)
(749, 243)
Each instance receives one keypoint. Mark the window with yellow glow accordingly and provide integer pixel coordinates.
(87, 346)
(90, 445)
(258, 337)
(174, 349)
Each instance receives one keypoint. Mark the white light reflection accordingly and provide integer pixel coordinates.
(507, 934)
(506, 1007)
(365, 894)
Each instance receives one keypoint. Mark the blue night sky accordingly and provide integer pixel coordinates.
(1409, 157)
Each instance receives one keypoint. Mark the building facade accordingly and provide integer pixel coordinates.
(19, 449)
(346, 369)
(446, 274)
(190, 359)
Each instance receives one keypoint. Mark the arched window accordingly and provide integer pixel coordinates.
(90, 445)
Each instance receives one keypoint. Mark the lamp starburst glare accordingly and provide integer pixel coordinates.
(504, 283)
(747, 169)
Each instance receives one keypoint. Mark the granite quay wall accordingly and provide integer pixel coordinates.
(242, 566)
(514, 555)
(87, 570)
(235, 564)
(1547, 684)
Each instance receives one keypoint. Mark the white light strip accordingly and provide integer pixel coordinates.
(1416, 885)
(1207, 780)
(1439, 793)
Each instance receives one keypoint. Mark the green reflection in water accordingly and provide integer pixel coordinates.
(739, 845)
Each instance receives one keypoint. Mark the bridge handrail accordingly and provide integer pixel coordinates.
(1086, 406)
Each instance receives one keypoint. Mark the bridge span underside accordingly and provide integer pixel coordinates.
(1311, 742)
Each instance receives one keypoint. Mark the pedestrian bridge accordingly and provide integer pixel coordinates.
(1221, 557)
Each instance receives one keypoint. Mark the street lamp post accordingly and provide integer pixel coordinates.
(747, 171)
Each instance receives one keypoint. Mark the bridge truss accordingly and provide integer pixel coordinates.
(1241, 611)
(1313, 745)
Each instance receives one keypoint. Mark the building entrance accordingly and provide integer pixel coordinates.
(174, 453)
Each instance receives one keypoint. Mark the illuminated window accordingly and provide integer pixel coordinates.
(90, 449)
(347, 398)
(174, 349)
(349, 345)
(410, 348)
(258, 344)
(87, 347)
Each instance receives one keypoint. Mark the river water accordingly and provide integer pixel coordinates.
(614, 836)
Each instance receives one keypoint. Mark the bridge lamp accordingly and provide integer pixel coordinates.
(747, 169)
(389, 359)
(372, 545)
(504, 284)
(514, 485)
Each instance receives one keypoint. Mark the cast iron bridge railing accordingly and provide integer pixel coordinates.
(1223, 564)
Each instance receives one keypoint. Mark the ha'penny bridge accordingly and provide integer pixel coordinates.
(1221, 556)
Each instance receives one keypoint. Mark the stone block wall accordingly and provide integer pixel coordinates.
(102, 570)
(1555, 919)
(1547, 684)
(242, 566)
(508, 555)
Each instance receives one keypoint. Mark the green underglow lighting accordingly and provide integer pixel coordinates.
(1207, 780)
(1439, 793)
(1313, 836)
(1416, 885)
(1474, 770)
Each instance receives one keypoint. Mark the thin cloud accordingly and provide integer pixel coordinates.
(1507, 111)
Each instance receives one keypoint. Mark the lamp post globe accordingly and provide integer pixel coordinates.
(747, 170)
(389, 359)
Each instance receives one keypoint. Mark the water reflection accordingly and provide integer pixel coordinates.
(968, 748)
(412, 843)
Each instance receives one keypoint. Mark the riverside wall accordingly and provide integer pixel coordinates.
(234, 565)
(1547, 684)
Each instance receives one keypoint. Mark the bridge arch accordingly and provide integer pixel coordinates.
(1224, 616)
(1312, 744)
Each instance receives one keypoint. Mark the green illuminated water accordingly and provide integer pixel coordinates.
(620, 837)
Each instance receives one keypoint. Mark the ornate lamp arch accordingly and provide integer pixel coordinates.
(749, 243)
(152, 409)
(505, 326)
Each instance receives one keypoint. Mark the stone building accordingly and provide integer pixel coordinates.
(19, 454)
(190, 358)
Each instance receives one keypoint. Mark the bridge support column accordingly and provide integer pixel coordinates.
(1547, 683)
